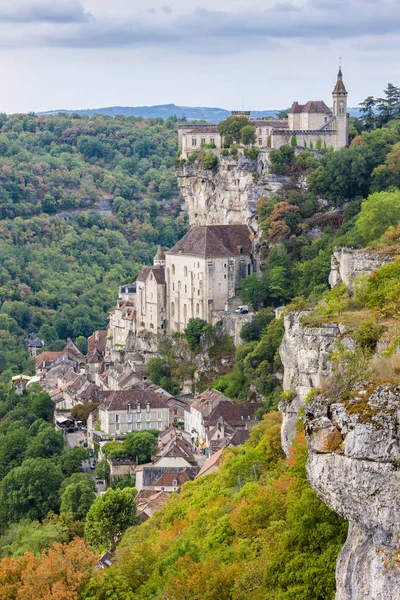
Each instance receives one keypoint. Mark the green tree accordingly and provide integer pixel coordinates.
(47, 443)
(231, 128)
(103, 470)
(248, 135)
(140, 445)
(82, 344)
(40, 403)
(195, 328)
(252, 291)
(71, 461)
(367, 112)
(378, 212)
(110, 516)
(30, 491)
(76, 500)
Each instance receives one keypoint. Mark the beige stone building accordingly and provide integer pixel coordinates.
(203, 271)
(151, 300)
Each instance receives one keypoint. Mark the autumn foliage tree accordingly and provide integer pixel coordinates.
(59, 574)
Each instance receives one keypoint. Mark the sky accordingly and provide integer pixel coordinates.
(233, 54)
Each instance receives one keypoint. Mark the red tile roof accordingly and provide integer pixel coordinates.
(169, 477)
(48, 358)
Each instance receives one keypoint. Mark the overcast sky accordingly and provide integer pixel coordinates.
(255, 54)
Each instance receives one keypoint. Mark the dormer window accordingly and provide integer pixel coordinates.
(129, 407)
(138, 407)
(174, 482)
(148, 407)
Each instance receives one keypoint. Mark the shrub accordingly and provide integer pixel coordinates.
(251, 152)
(209, 160)
(192, 158)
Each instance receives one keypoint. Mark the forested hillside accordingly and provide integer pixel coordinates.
(60, 277)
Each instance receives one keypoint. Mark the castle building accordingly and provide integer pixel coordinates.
(203, 271)
(312, 123)
(151, 297)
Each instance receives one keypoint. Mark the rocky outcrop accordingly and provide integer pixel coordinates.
(305, 355)
(348, 264)
(229, 194)
(353, 465)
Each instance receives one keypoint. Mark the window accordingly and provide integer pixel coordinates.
(129, 427)
(159, 425)
(185, 311)
(198, 265)
(173, 269)
(185, 271)
(203, 140)
(198, 292)
(341, 107)
(212, 140)
(159, 416)
(179, 286)
(197, 309)
(174, 482)
(248, 269)
(173, 287)
(117, 427)
(138, 416)
(194, 142)
(260, 142)
(260, 131)
(173, 309)
(117, 419)
(148, 407)
(241, 250)
(138, 426)
(185, 289)
(148, 425)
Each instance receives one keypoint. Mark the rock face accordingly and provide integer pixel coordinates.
(348, 264)
(228, 195)
(305, 356)
(353, 466)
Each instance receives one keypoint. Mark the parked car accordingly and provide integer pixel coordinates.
(91, 453)
(242, 310)
(92, 464)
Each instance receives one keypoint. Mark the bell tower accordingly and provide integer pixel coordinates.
(339, 96)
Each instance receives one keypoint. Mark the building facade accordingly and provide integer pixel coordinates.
(312, 123)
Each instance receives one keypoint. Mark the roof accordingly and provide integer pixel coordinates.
(339, 87)
(47, 358)
(211, 462)
(312, 106)
(158, 271)
(97, 341)
(168, 479)
(236, 415)
(160, 254)
(152, 473)
(203, 129)
(120, 399)
(21, 378)
(276, 123)
(215, 240)
(208, 400)
(240, 437)
(153, 503)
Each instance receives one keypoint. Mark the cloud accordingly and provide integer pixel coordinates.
(205, 31)
(43, 11)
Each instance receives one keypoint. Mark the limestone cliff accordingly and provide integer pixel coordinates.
(353, 465)
(347, 264)
(229, 194)
(305, 355)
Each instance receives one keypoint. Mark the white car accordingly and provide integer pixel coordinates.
(242, 310)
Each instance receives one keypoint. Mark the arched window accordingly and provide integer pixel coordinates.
(241, 250)
(172, 309)
(341, 107)
(185, 271)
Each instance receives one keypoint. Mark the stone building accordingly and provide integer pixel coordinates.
(150, 296)
(203, 271)
(311, 123)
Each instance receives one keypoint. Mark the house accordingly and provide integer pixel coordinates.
(96, 351)
(203, 271)
(121, 412)
(152, 477)
(151, 299)
(211, 465)
(34, 344)
(19, 383)
(201, 407)
(148, 502)
(176, 453)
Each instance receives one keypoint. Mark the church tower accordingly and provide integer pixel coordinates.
(339, 96)
(159, 259)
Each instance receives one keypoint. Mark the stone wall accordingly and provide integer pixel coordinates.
(348, 264)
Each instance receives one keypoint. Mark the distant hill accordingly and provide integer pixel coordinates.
(213, 115)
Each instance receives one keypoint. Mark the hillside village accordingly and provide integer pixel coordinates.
(197, 278)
